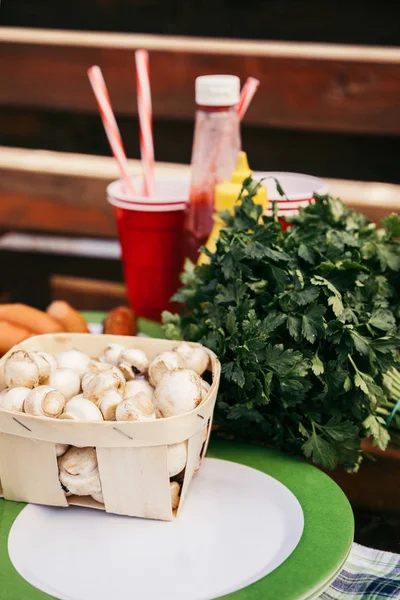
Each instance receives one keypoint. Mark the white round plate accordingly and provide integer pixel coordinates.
(238, 524)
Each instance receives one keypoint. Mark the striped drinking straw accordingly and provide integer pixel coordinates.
(145, 119)
(110, 125)
(246, 95)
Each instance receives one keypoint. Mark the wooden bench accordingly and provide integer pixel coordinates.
(304, 87)
(66, 193)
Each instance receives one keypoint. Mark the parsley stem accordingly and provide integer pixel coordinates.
(396, 388)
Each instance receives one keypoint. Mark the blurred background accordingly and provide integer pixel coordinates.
(328, 105)
(367, 153)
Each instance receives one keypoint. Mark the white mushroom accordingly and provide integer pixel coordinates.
(205, 387)
(13, 398)
(79, 473)
(44, 401)
(95, 367)
(65, 381)
(163, 363)
(61, 449)
(198, 465)
(81, 409)
(135, 359)
(136, 408)
(111, 354)
(193, 357)
(98, 496)
(127, 371)
(73, 359)
(77, 397)
(20, 370)
(136, 386)
(200, 458)
(97, 385)
(178, 392)
(108, 404)
(46, 364)
(175, 490)
(177, 456)
(86, 378)
(205, 435)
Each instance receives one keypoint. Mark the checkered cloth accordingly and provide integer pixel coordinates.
(367, 575)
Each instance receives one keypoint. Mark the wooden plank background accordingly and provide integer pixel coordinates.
(61, 192)
(356, 156)
(304, 86)
(355, 22)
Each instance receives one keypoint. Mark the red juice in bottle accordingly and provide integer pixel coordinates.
(216, 144)
(150, 232)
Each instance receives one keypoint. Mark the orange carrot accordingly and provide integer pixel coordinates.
(67, 316)
(29, 318)
(10, 335)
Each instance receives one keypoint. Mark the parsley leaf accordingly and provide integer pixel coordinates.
(313, 323)
(321, 451)
(374, 426)
(382, 319)
(307, 253)
(294, 327)
(306, 324)
(305, 296)
(391, 224)
(317, 365)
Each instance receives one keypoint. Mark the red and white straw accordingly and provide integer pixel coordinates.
(110, 125)
(246, 95)
(145, 119)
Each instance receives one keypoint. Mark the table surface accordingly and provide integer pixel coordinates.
(328, 530)
(326, 541)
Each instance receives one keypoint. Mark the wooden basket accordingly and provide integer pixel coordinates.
(132, 456)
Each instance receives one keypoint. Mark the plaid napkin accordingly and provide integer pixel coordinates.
(367, 575)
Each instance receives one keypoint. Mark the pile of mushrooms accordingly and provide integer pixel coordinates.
(120, 385)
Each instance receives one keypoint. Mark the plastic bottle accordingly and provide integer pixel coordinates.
(216, 144)
(226, 195)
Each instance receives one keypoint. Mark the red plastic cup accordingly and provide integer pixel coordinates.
(152, 242)
(299, 189)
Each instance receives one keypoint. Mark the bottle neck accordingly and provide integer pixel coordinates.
(216, 109)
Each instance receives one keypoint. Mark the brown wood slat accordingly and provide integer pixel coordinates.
(88, 294)
(357, 157)
(56, 191)
(306, 86)
(61, 192)
(31, 211)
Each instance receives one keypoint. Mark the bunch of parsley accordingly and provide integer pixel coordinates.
(305, 323)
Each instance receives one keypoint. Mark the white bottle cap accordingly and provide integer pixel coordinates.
(217, 90)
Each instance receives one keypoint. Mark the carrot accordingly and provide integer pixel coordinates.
(29, 318)
(67, 316)
(11, 334)
(121, 321)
